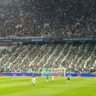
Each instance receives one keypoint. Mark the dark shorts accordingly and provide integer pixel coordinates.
(68, 78)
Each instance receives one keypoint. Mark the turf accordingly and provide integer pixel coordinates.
(22, 86)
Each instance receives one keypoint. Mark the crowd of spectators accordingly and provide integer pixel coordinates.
(20, 58)
(48, 18)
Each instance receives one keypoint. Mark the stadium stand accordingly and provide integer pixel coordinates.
(48, 18)
(20, 58)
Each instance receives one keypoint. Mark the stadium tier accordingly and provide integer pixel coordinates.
(47, 46)
(20, 58)
(47, 18)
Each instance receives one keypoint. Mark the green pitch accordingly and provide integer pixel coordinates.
(22, 86)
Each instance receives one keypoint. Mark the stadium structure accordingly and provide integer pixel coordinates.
(47, 37)
(47, 43)
(35, 54)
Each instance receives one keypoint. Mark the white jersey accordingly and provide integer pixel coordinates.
(34, 80)
(52, 78)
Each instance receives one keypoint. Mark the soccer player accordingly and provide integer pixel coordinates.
(47, 78)
(33, 80)
(53, 78)
(68, 77)
(12, 77)
(12, 74)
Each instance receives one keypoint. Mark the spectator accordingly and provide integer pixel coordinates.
(48, 18)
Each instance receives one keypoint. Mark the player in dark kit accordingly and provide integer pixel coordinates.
(68, 77)
(47, 78)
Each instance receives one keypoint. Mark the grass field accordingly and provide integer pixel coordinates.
(22, 86)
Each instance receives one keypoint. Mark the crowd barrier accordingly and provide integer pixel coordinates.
(46, 39)
(40, 74)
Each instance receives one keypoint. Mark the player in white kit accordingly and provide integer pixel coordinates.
(33, 80)
(53, 78)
